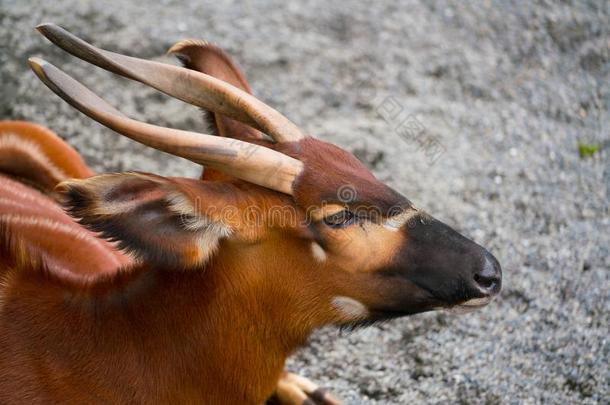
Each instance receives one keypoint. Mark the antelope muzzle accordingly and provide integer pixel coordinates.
(443, 268)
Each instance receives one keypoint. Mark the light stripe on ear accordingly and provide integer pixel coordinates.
(209, 231)
(150, 217)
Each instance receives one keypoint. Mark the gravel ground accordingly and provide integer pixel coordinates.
(503, 92)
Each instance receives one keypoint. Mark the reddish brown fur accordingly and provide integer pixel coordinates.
(328, 169)
(153, 333)
(319, 182)
(187, 325)
(216, 302)
(19, 160)
(32, 216)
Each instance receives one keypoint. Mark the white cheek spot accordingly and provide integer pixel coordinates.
(318, 253)
(349, 307)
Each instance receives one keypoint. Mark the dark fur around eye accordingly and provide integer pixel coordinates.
(340, 219)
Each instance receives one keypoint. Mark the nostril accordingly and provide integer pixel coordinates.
(485, 282)
(489, 278)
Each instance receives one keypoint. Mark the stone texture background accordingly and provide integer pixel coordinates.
(507, 88)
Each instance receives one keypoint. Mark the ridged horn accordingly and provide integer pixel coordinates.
(253, 163)
(187, 85)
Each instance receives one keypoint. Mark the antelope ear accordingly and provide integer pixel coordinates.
(207, 58)
(211, 60)
(155, 219)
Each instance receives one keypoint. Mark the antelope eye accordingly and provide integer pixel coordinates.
(340, 219)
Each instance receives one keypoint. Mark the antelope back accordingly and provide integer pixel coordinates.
(33, 160)
(37, 156)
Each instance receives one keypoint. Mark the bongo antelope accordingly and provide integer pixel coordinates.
(176, 290)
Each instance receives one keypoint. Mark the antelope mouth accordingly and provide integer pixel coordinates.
(470, 305)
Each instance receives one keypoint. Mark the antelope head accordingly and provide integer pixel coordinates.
(292, 220)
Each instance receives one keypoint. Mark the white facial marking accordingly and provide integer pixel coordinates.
(397, 221)
(318, 253)
(349, 307)
(470, 305)
(460, 309)
(476, 302)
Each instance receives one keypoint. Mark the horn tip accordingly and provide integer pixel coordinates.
(52, 32)
(43, 69)
(46, 27)
(37, 65)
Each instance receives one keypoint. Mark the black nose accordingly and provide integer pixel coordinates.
(489, 279)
